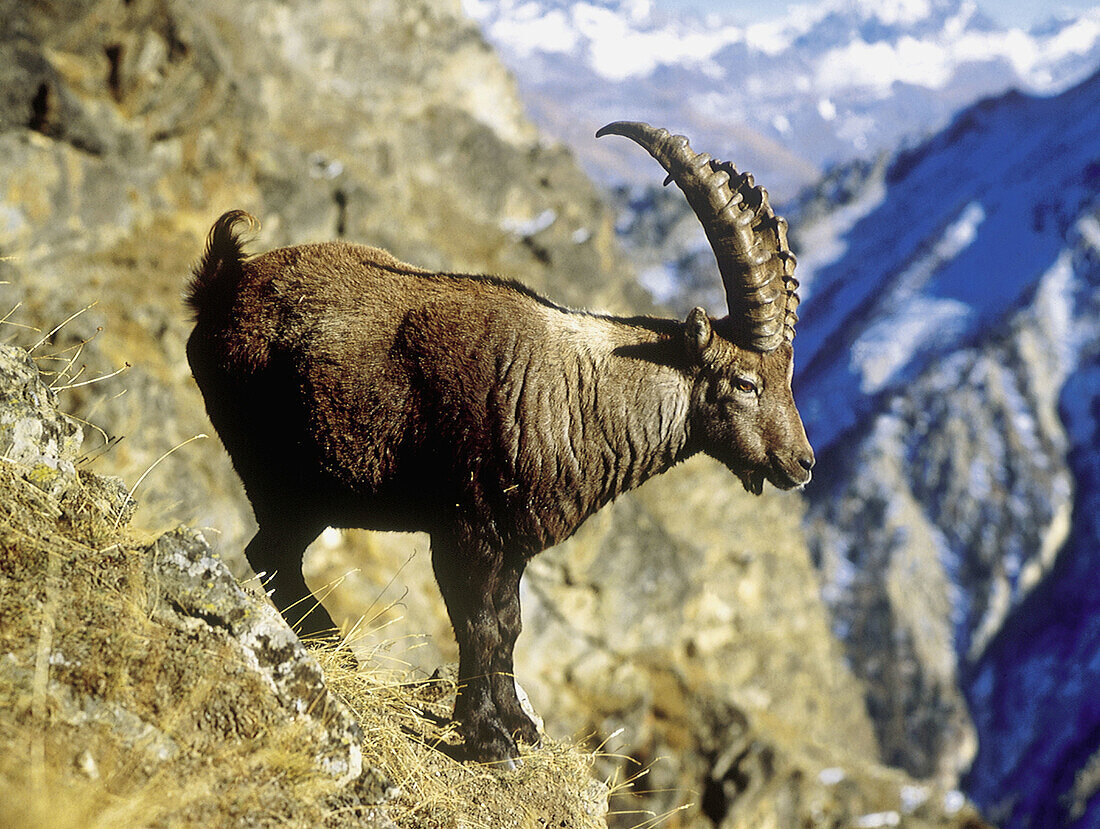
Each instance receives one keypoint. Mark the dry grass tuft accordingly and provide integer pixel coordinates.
(408, 733)
(107, 716)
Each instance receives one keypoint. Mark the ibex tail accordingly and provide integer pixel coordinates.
(215, 278)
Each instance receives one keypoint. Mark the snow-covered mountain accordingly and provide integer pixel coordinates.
(832, 81)
(948, 356)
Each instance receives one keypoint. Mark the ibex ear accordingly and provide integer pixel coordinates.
(697, 332)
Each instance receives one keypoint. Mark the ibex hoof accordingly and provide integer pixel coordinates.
(491, 745)
(524, 730)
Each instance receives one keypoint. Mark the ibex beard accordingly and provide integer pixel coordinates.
(353, 390)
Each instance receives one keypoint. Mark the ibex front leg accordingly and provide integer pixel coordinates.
(502, 680)
(468, 580)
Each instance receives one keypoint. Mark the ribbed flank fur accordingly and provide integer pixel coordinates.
(215, 278)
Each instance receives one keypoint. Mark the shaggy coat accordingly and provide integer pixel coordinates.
(353, 390)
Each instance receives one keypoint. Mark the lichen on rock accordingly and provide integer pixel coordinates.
(194, 587)
(32, 431)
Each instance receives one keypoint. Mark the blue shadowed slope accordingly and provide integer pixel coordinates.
(968, 225)
(980, 263)
(1035, 693)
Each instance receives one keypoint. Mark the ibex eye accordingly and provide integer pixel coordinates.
(746, 386)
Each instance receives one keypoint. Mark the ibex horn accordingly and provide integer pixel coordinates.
(748, 239)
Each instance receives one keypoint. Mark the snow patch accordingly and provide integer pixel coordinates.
(932, 62)
(772, 38)
(899, 12)
(878, 66)
(908, 323)
(886, 347)
(662, 282)
(953, 801)
(1076, 39)
(530, 227)
(873, 821)
(1054, 305)
(1089, 228)
(831, 776)
(825, 241)
(618, 51)
(913, 797)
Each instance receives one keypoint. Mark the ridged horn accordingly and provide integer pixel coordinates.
(749, 241)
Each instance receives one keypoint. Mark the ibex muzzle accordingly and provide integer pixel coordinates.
(353, 390)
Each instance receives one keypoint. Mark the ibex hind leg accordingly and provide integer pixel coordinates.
(277, 549)
(502, 679)
(467, 581)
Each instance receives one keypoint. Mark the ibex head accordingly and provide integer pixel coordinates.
(743, 410)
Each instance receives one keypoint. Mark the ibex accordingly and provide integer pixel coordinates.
(353, 390)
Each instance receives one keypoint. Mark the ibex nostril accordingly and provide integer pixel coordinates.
(807, 463)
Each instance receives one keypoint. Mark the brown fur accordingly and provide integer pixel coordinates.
(353, 390)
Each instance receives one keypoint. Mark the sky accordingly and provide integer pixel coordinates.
(1012, 13)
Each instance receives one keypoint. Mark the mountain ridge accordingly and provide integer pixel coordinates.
(859, 77)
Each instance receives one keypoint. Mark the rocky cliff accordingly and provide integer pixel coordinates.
(681, 630)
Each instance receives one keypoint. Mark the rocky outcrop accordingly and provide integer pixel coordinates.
(144, 685)
(115, 645)
(190, 588)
